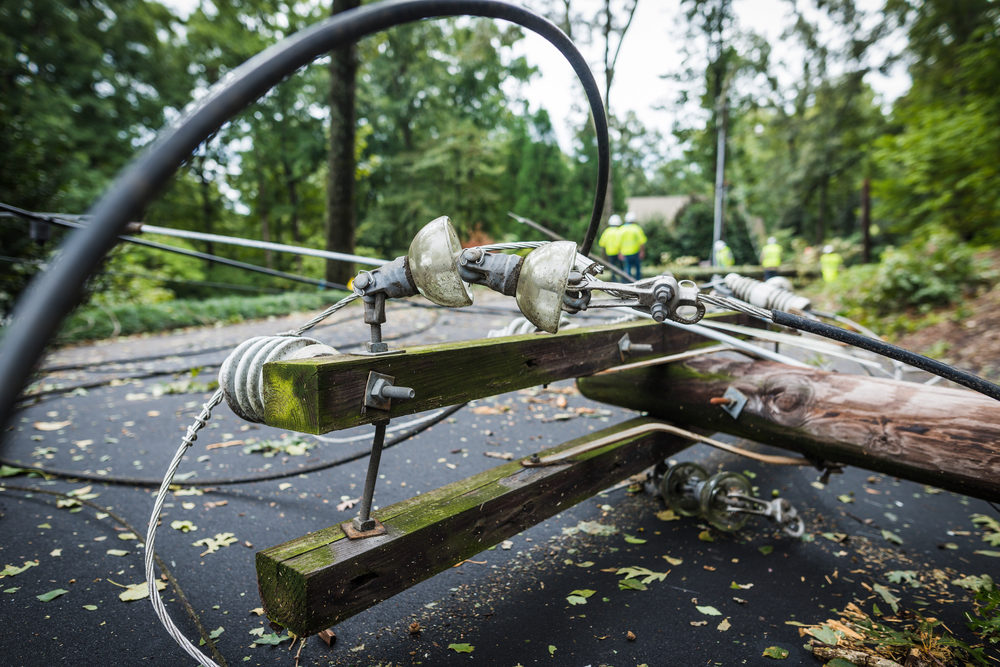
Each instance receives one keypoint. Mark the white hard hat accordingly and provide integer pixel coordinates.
(771, 239)
(720, 244)
(615, 220)
(827, 248)
(630, 217)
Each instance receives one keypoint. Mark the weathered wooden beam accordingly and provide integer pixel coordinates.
(315, 581)
(326, 393)
(941, 436)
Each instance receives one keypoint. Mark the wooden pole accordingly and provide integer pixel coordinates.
(941, 436)
(315, 581)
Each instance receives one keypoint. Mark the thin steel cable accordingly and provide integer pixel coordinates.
(154, 595)
(322, 316)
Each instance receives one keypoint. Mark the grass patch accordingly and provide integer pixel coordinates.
(97, 322)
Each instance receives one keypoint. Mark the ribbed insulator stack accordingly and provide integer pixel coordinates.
(765, 295)
(241, 377)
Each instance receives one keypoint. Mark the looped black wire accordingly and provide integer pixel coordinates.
(52, 294)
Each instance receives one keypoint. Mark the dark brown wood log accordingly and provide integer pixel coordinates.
(941, 436)
(326, 393)
(320, 579)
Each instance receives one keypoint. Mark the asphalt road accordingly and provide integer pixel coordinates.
(725, 598)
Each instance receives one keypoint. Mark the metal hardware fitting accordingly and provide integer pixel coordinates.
(363, 525)
(498, 271)
(737, 401)
(627, 348)
(725, 499)
(380, 390)
(662, 297)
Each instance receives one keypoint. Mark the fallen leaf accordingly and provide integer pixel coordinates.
(138, 591)
(775, 652)
(462, 648)
(579, 596)
(127, 536)
(506, 456)
(506, 545)
(673, 561)
(698, 624)
(90, 607)
(706, 536)
(213, 544)
(631, 539)
(708, 610)
(765, 549)
(52, 595)
(284, 485)
(825, 634)
(273, 639)
(11, 570)
(258, 611)
(552, 649)
(184, 526)
(887, 595)
(986, 552)
(117, 552)
(892, 537)
(55, 553)
(736, 586)
(723, 625)
(51, 426)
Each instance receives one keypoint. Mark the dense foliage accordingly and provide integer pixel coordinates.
(441, 129)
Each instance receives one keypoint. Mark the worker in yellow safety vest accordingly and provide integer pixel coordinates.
(632, 248)
(770, 257)
(610, 240)
(723, 255)
(830, 263)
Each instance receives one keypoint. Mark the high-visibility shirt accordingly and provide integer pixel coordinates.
(611, 241)
(829, 264)
(770, 256)
(631, 238)
(724, 256)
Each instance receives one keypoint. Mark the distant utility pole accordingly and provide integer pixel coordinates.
(722, 117)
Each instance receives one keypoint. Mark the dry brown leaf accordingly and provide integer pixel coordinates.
(51, 426)
(506, 456)
(227, 443)
(488, 410)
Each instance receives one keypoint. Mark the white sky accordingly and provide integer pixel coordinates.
(651, 49)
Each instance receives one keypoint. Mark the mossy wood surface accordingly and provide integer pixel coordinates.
(322, 578)
(327, 393)
(942, 436)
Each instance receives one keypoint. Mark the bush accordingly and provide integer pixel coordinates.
(936, 270)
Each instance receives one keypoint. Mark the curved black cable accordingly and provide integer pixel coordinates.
(956, 375)
(228, 481)
(51, 295)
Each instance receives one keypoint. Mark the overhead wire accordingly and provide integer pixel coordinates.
(52, 294)
(215, 259)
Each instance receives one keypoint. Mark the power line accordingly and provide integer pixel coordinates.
(53, 220)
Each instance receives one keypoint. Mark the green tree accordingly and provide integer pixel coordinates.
(940, 168)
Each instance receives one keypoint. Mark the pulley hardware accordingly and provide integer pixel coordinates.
(724, 499)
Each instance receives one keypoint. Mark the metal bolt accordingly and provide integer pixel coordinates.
(362, 280)
(383, 389)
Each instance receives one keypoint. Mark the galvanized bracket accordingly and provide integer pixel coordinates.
(737, 400)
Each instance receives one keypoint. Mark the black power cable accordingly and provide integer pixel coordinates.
(956, 375)
(52, 294)
(227, 481)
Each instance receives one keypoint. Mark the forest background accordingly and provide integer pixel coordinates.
(439, 126)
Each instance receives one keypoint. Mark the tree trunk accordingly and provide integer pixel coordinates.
(866, 221)
(340, 196)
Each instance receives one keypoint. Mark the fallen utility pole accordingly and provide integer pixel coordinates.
(949, 438)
